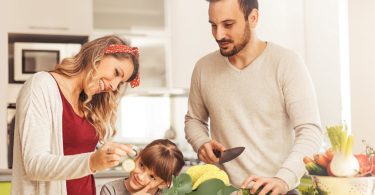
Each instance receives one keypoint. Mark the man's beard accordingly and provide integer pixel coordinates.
(238, 47)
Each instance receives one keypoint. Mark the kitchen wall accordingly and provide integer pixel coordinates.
(282, 21)
(190, 37)
(323, 56)
(3, 83)
(362, 70)
(312, 30)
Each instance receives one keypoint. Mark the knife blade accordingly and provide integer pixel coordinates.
(228, 154)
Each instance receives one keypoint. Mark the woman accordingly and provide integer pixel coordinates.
(61, 116)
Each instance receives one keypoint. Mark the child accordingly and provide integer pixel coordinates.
(154, 167)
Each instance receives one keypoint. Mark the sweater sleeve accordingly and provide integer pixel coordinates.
(196, 119)
(107, 190)
(302, 108)
(35, 122)
(116, 187)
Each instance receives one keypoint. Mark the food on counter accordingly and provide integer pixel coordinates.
(128, 165)
(338, 170)
(329, 154)
(201, 180)
(339, 160)
(321, 160)
(313, 168)
(202, 173)
(344, 163)
(365, 164)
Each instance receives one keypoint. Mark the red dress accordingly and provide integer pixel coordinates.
(79, 136)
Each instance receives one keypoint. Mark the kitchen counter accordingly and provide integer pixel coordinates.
(111, 174)
(5, 175)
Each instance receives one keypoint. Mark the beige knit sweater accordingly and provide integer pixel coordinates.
(269, 107)
(39, 164)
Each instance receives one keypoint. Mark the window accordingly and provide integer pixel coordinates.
(142, 119)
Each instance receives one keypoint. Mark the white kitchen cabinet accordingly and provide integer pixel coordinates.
(146, 25)
(130, 15)
(50, 17)
(171, 39)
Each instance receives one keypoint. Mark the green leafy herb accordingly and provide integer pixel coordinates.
(247, 191)
(312, 190)
(180, 185)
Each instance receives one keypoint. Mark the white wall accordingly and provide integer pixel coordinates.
(311, 30)
(362, 61)
(13, 90)
(323, 57)
(191, 38)
(282, 22)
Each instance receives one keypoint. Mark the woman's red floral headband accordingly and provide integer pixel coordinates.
(115, 48)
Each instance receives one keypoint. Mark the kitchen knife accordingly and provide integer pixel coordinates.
(228, 154)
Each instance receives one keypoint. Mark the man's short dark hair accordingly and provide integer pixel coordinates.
(246, 6)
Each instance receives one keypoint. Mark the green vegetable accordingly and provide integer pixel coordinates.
(315, 169)
(180, 185)
(213, 186)
(340, 140)
(247, 191)
(344, 163)
(312, 190)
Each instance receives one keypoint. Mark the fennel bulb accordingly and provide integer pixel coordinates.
(344, 163)
(344, 166)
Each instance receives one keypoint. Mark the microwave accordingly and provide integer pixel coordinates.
(32, 57)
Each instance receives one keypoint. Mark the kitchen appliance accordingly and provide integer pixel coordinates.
(228, 154)
(32, 57)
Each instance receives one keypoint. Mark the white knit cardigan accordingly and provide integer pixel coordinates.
(39, 164)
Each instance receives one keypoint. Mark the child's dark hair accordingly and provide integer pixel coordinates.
(162, 157)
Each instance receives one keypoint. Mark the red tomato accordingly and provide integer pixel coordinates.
(365, 164)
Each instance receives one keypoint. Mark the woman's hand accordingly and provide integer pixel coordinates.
(109, 155)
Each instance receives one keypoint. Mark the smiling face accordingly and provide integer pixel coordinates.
(141, 176)
(111, 73)
(229, 27)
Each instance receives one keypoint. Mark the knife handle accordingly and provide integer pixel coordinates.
(217, 153)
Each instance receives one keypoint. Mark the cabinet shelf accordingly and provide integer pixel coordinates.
(129, 14)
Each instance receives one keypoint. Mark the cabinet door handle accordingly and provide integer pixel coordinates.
(49, 28)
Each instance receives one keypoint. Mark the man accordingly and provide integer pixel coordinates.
(256, 94)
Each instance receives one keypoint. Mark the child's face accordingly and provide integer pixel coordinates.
(141, 176)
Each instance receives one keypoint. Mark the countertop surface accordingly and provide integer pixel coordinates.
(111, 173)
(6, 174)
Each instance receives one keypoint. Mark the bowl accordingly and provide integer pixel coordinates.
(345, 185)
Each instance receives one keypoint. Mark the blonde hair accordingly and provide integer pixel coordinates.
(99, 109)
